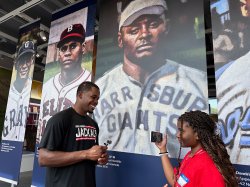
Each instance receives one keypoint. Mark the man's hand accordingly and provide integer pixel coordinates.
(96, 152)
(103, 159)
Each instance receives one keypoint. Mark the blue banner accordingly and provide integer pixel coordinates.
(56, 94)
(18, 104)
(231, 45)
(242, 171)
(39, 173)
(128, 169)
(10, 156)
(150, 68)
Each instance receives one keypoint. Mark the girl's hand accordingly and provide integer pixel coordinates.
(162, 145)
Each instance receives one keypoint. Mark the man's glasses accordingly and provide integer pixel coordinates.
(71, 47)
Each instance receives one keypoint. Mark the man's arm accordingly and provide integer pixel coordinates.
(59, 158)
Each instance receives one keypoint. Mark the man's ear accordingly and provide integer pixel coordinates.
(84, 48)
(80, 94)
(167, 23)
(120, 44)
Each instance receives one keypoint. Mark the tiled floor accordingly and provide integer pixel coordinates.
(25, 180)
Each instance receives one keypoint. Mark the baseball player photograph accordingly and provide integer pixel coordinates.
(233, 93)
(70, 48)
(146, 91)
(19, 93)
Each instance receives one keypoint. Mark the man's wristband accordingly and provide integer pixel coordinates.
(163, 153)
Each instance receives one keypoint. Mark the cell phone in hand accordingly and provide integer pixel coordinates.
(156, 136)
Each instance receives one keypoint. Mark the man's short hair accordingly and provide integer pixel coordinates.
(137, 8)
(73, 32)
(86, 86)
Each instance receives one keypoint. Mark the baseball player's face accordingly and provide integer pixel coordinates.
(143, 38)
(23, 65)
(70, 55)
(245, 7)
(89, 100)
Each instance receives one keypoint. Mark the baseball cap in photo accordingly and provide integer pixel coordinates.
(137, 8)
(75, 31)
(26, 47)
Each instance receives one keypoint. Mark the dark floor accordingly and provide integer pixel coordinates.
(24, 181)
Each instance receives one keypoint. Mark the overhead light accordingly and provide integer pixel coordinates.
(42, 35)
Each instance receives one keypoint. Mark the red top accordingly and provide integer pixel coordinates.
(199, 171)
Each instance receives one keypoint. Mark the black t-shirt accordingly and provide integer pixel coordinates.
(68, 131)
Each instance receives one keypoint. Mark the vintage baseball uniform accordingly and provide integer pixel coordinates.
(68, 131)
(57, 97)
(233, 93)
(128, 111)
(16, 113)
(199, 171)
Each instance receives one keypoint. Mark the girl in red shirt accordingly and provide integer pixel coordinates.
(208, 163)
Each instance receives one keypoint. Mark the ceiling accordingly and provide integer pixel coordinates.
(16, 13)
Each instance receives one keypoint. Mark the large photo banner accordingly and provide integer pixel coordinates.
(72, 30)
(231, 31)
(18, 104)
(151, 68)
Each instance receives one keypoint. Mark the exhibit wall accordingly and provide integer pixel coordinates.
(151, 68)
(5, 76)
(18, 104)
(149, 60)
(72, 29)
(231, 31)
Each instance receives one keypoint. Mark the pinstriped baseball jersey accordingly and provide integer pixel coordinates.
(233, 93)
(128, 111)
(57, 97)
(16, 113)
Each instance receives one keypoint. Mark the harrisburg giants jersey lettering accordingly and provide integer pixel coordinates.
(16, 113)
(57, 97)
(233, 93)
(128, 111)
(85, 132)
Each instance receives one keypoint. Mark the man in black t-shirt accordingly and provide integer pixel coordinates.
(69, 147)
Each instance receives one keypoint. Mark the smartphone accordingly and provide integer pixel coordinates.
(156, 136)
